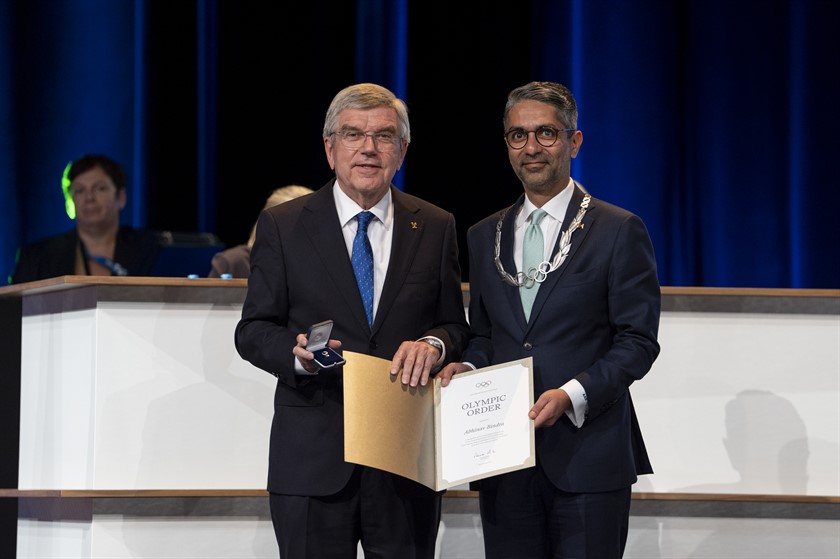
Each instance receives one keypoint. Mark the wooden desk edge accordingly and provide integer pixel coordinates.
(452, 493)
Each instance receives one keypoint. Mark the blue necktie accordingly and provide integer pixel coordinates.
(362, 260)
(533, 253)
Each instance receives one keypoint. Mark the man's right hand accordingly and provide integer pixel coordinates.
(449, 371)
(306, 357)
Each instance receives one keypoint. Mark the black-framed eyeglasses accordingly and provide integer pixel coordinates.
(382, 141)
(546, 136)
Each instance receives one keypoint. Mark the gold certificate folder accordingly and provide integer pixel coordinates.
(476, 427)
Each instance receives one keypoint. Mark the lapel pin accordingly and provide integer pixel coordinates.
(414, 225)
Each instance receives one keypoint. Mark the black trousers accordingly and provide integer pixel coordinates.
(523, 515)
(392, 517)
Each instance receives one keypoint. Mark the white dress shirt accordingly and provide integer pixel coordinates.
(380, 233)
(555, 210)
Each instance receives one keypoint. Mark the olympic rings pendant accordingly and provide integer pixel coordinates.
(541, 272)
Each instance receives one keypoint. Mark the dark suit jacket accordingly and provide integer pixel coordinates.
(594, 319)
(136, 249)
(301, 274)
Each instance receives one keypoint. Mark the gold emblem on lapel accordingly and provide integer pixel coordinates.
(414, 225)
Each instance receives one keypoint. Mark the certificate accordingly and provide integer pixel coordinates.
(482, 423)
(476, 427)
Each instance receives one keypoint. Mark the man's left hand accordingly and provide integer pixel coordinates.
(549, 407)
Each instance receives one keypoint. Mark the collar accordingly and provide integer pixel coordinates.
(555, 208)
(347, 208)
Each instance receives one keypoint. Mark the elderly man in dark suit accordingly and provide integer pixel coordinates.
(406, 306)
(586, 308)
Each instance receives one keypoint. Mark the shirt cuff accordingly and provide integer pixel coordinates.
(300, 371)
(580, 406)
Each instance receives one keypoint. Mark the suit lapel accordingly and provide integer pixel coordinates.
(577, 235)
(585, 225)
(408, 230)
(506, 255)
(320, 219)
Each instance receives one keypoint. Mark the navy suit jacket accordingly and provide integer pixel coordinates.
(595, 319)
(301, 274)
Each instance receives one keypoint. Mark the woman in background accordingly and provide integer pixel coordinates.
(95, 194)
(236, 261)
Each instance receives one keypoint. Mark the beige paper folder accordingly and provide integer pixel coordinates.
(397, 428)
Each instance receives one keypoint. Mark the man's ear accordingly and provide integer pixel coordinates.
(329, 146)
(577, 140)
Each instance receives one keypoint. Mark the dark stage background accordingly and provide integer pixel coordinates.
(714, 120)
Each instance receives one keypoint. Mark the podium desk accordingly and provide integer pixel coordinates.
(134, 407)
(142, 433)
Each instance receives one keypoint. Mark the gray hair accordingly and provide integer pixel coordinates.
(552, 93)
(367, 96)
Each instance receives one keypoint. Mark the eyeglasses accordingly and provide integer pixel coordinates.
(546, 136)
(382, 141)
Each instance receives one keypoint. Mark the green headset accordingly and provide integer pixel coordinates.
(69, 206)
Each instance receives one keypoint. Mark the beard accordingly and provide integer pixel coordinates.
(552, 177)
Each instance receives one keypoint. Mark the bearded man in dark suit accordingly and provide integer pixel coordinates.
(587, 310)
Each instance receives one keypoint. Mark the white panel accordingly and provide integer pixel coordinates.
(57, 364)
(141, 396)
(741, 403)
(48, 540)
(177, 408)
(118, 537)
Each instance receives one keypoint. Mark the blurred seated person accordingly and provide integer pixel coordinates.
(95, 193)
(236, 260)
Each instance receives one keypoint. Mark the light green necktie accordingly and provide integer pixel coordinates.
(533, 253)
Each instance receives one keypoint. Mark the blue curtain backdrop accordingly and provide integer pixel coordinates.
(715, 120)
(67, 86)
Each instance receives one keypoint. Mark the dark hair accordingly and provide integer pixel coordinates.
(555, 94)
(87, 162)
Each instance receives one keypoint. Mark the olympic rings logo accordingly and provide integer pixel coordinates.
(483, 384)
